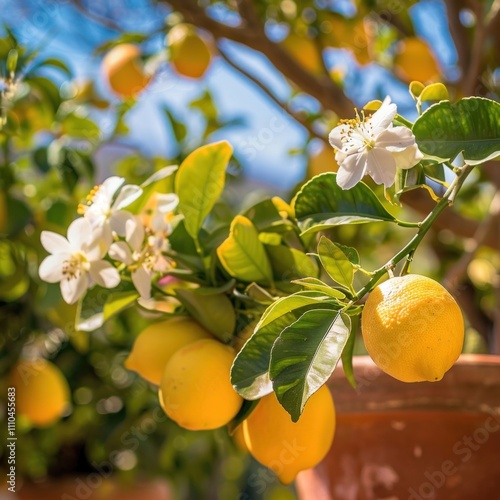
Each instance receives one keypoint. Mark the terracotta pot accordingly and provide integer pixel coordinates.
(397, 441)
(92, 487)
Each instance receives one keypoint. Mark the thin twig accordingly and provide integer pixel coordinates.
(328, 94)
(271, 95)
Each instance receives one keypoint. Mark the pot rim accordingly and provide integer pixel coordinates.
(471, 385)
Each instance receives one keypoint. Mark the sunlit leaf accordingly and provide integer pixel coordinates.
(336, 263)
(305, 355)
(322, 204)
(243, 255)
(200, 181)
(250, 371)
(290, 263)
(471, 127)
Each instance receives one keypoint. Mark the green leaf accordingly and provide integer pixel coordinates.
(90, 312)
(305, 355)
(200, 181)
(80, 128)
(55, 63)
(322, 204)
(290, 263)
(178, 128)
(348, 352)
(250, 371)
(415, 89)
(243, 255)
(434, 92)
(214, 311)
(117, 302)
(336, 263)
(318, 286)
(159, 182)
(471, 127)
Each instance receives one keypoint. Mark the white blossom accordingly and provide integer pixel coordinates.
(105, 204)
(373, 146)
(142, 254)
(76, 261)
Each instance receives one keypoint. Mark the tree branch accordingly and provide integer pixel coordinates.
(420, 201)
(458, 33)
(329, 94)
(271, 96)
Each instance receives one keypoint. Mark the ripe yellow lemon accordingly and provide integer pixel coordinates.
(123, 70)
(414, 60)
(156, 344)
(413, 329)
(287, 447)
(189, 53)
(196, 390)
(42, 392)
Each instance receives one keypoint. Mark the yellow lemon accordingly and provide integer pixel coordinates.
(42, 392)
(189, 53)
(415, 61)
(413, 329)
(287, 447)
(123, 70)
(196, 390)
(305, 51)
(155, 345)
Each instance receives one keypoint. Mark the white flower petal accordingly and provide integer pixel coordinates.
(142, 282)
(126, 196)
(395, 139)
(50, 269)
(73, 289)
(79, 233)
(384, 116)
(337, 134)
(167, 202)
(111, 185)
(104, 274)
(408, 158)
(55, 243)
(351, 170)
(121, 251)
(134, 234)
(381, 166)
(118, 221)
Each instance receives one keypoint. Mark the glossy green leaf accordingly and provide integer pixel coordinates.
(200, 181)
(117, 302)
(319, 286)
(471, 127)
(243, 255)
(305, 355)
(250, 371)
(214, 311)
(322, 204)
(290, 263)
(335, 263)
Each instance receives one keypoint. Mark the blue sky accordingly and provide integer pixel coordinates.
(264, 140)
